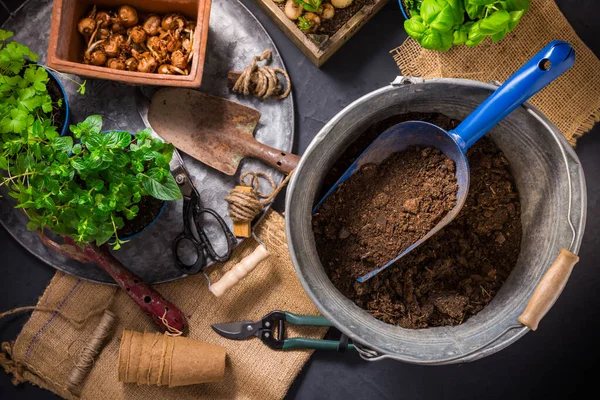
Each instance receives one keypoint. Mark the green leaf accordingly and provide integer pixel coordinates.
(415, 27)
(482, 2)
(436, 40)
(461, 34)
(430, 10)
(92, 125)
(475, 36)
(16, 122)
(494, 23)
(77, 149)
(63, 144)
(518, 5)
(167, 189)
(33, 226)
(79, 164)
(3, 163)
(95, 142)
(515, 18)
(473, 11)
(5, 35)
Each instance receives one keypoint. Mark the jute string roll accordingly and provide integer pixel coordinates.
(244, 206)
(89, 352)
(86, 357)
(262, 81)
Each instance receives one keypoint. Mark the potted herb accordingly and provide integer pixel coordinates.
(29, 91)
(440, 24)
(89, 189)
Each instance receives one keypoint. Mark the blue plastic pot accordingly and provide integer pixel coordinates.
(65, 128)
(404, 10)
(164, 205)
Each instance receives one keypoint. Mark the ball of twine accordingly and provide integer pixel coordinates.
(262, 81)
(245, 206)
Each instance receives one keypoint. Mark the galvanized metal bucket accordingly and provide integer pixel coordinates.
(552, 189)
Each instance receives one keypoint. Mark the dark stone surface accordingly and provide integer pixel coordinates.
(556, 360)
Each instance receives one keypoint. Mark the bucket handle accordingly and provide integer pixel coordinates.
(549, 288)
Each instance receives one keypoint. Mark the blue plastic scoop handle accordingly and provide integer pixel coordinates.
(543, 68)
(547, 65)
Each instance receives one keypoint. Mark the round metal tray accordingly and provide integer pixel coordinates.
(235, 36)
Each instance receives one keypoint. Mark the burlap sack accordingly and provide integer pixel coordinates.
(572, 102)
(253, 371)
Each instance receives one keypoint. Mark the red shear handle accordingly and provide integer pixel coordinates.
(163, 313)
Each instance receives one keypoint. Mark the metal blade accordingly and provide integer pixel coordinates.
(237, 330)
(213, 130)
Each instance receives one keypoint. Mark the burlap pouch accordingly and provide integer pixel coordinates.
(572, 102)
(253, 371)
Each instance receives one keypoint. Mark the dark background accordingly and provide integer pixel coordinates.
(557, 360)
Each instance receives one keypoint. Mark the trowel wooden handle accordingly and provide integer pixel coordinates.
(548, 290)
(282, 160)
(239, 271)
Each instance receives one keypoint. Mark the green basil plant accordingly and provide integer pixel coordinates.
(440, 24)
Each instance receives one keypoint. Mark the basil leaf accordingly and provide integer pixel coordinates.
(515, 18)
(518, 5)
(475, 36)
(494, 23)
(444, 20)
(482, 2)
(436, 40)
(458, 11)
(496, 37)
(430, 10)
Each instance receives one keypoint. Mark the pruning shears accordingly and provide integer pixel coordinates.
(265, 331)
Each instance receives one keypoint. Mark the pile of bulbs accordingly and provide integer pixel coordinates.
(310, 13)
(121, 40)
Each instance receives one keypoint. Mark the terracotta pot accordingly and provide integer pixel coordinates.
(66, 44)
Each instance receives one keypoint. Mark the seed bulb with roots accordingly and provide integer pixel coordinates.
(103, 19)
(112, 46)
(137, 34)
(128, 16)
(115, 63)
(179, 60)
(86, 26)
(168, 69)
(151, 25)
(131, 64)
(146, 62)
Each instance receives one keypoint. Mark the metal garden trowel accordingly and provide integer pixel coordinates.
(215, 131)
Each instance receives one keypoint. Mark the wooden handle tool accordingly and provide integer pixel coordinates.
(548, 290)
(239, 271)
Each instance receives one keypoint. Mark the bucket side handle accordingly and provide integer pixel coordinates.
(549, 288)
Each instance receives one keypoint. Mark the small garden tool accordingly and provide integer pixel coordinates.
(265, 330)
(215, 131)
(543, 68)
(192, 216)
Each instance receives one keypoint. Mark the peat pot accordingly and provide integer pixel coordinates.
(552, 189)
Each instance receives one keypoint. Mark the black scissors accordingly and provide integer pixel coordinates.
(192, 215)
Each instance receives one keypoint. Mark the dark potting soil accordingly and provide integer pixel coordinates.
(342, 15)
(458, 271)
(382, 209)
(59, 114)
(149, 209)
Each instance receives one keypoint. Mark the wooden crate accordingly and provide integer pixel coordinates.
(66, 45)
(319, 54)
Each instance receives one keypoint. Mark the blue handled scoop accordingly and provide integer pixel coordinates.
(543, 68)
